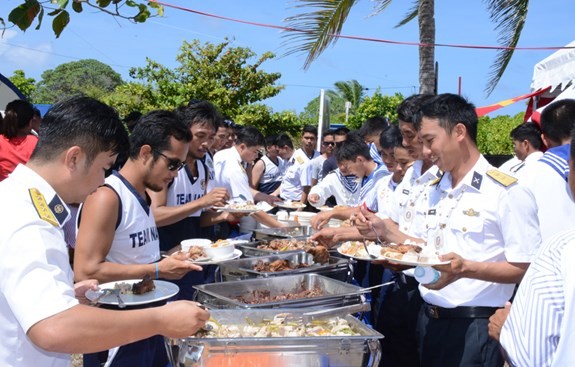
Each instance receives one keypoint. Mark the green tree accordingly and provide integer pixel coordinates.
(493, 134)
(217, 73)
(87, 77)
(315, 30)
(269, 122)
(376, 105)
(26, 85)
(26, 13)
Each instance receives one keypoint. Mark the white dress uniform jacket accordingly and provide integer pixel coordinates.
(36, 281)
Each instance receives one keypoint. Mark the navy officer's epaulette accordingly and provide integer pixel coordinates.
(501, 178)
(438, 179)
(54, 212)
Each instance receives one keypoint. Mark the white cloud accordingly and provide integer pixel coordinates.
(18, 55)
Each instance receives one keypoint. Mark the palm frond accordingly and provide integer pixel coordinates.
(312, 32)
(411, 14)
(509, 15)
(379, 6)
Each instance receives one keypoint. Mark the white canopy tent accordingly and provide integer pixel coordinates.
(555, 75)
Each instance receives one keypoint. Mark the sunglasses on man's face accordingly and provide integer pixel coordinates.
(328, 143)
(173, 164)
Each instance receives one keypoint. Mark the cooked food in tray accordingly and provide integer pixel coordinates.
(281, 325)
(320, 253)
(277, 265)
(145, 286)
(259, 296)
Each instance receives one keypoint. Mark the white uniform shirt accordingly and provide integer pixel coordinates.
(481, 220)
(385, 190)
(332, 185)
(368, 190)
(540, 328)
(231, 174)
(136, 240)
(298, 175)
(316, 166)
(555, 208)
(514, 165)
(410, 200)
(36, 281)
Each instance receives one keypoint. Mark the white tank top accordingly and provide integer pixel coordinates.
(136, 240)
(186, 188)
(272, 176)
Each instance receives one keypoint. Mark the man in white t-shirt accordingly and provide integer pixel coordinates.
(527, 145)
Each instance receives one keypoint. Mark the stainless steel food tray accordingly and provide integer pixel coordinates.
(363, 350)
(298, 231)
(336, 268)
(337, 294)
(250, 249)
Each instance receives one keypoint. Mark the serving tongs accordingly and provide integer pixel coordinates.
(320, 314)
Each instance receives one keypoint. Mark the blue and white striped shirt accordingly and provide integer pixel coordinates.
(540, 329)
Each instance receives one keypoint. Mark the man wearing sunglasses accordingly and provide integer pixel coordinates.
(327, 149)
(117, 234)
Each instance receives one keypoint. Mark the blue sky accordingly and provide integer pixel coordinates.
(393, 68)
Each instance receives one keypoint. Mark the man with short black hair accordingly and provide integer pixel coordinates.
(527, 145)
(42, 321)
(297, 180)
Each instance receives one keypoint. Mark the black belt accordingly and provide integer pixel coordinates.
(436, 312)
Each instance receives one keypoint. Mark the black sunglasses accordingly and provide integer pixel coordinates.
(173, 164)
(326, 143)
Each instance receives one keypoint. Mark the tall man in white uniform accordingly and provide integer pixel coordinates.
(117, 234)
(297, 180)
(41, 321)
(481, 221)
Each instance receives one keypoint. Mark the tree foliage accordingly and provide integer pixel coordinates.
(29, 11)
(218, 73)
(376, 105)
(87, 77)
(269, 122)
(26, 85)
(493, 134)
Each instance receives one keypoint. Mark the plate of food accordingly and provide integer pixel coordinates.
(133, 292)
(243, 207)
(405, 254)
(288, 204)
(216, 260)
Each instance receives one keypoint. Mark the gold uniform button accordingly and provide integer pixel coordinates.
(464, 229)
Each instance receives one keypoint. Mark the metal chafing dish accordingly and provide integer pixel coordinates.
(335, 351)
(250, 249)
(299, 231)
(336, 293)
(336, 268)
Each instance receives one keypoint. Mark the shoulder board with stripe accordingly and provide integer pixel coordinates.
(42, 207)
(500, 177)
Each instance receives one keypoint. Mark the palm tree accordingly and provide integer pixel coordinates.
(350, 91)
(312, 32)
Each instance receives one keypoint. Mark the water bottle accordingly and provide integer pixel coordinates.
(426, 274)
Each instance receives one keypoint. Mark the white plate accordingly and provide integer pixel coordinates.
(237, 253)
(164, 290)
(229, 209)
(376, 250)
(325, 208)
(414, 263)
(288, 205)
